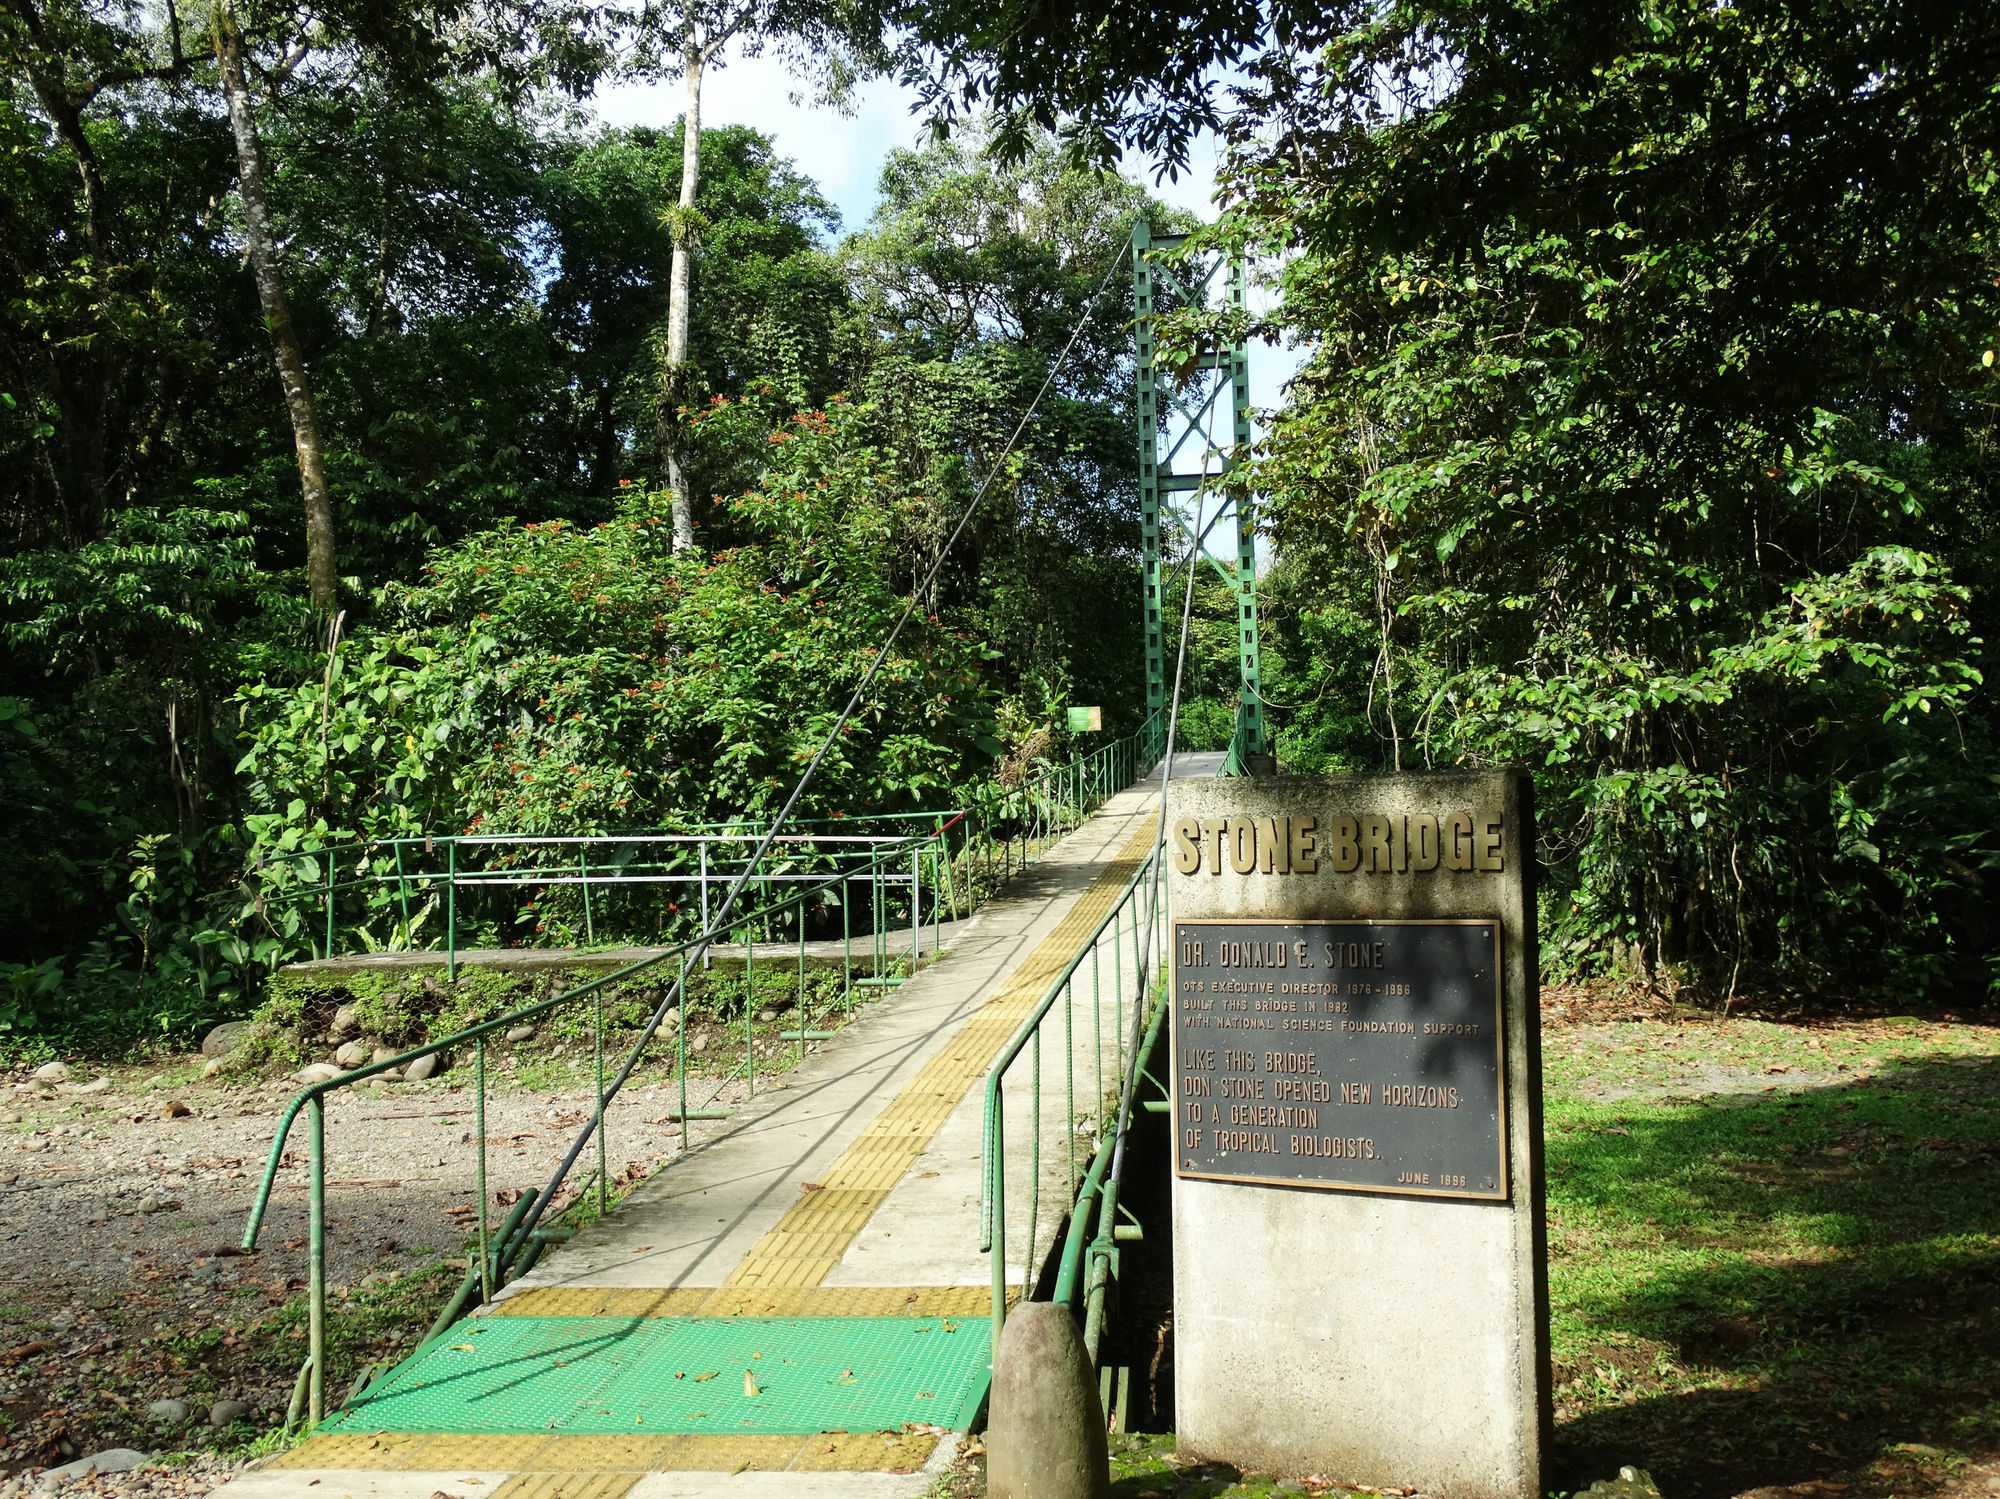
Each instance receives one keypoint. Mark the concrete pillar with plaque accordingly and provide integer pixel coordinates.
(1360, 1282)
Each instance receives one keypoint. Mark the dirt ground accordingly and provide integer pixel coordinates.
(122, 1209)
(122, 1204)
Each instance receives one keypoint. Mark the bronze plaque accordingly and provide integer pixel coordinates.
(1360, 1056)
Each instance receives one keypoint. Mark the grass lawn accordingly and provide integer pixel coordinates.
(1774, 1257)
(1774, 1250)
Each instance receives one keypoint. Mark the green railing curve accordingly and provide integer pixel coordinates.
(1128, 944)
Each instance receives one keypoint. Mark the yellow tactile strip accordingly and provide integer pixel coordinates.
(803, 1247)
(566, 1486)
(751, 1301)
(600, 1467)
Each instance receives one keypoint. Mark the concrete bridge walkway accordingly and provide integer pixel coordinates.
(798, 1307)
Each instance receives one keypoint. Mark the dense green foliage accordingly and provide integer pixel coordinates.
(1646, 429)
(479, 281)
(1643, 438)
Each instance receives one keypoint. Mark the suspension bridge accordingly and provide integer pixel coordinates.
(805, 1301)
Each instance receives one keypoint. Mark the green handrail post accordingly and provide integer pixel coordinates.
(316, 1265)
(1034, 1158)
(403, 898)
(451, 911)
(597, 1046)
(681, 1050)
(479, 1127)
(996, 1197)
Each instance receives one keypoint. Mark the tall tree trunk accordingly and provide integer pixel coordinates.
(673, 387)
(89, 373)
(604, 468)
(322, 575)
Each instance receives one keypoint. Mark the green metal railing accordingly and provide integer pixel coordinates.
(420, 893)
(966, 854)
(513, 1250)
(1119, 963)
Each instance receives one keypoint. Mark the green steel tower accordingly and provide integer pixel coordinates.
(1188, 407)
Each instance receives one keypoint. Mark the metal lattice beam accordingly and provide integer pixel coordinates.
(1159, 406)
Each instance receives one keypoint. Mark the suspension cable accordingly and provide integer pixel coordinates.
(1197, 535)
(721, 918)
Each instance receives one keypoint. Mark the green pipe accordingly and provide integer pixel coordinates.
(479, 1128)
(297, 1407)
(316, 1266)
(455, 1308)
(505, 1248)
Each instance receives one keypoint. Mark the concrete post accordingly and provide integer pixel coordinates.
(1045, 1428)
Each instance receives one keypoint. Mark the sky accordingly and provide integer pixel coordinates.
(844, 155)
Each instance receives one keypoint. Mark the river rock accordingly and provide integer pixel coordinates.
(113, 1460)
(698, 1044)
(318, 1072)
(1631, 1483)
(225, 1411)
(521, 1033)
(383, 1053)
(354, 1053)
(1045, 1428)
(168, 1410)
(421, 1068)
(52, 1072)
(346, 1021)
(214, 1066)
(225, 1038)
(96, 1085)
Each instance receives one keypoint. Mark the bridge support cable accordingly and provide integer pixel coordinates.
(720, 919)
(1087, 1258)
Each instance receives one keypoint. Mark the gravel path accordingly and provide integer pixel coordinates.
(121, 1203)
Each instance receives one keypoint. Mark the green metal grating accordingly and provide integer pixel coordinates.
(599, 1375)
